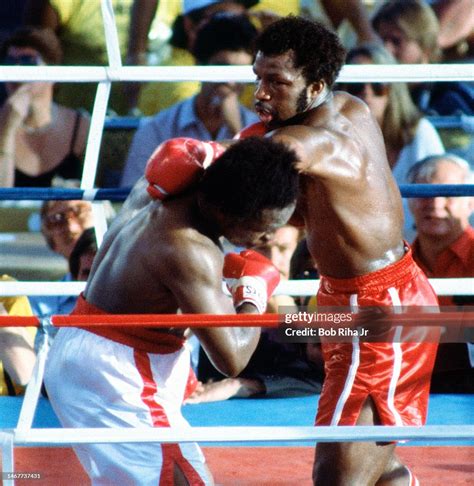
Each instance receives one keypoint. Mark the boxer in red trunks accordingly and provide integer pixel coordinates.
(351, 208)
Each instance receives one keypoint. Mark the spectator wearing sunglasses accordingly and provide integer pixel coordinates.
(408, 136)
(62, 224)
(39, 139)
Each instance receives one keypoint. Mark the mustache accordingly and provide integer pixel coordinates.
(262, 106)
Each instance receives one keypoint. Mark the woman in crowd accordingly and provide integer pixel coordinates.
(39, 139)
(411, 32)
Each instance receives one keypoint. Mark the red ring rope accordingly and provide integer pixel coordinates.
(228, 320)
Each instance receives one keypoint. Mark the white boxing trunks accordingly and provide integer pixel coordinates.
(93, 381)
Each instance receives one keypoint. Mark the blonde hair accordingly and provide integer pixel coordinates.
(401, 117)
(416, 19)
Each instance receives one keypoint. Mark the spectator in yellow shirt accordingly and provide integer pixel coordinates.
(79, 26)
(17, 355)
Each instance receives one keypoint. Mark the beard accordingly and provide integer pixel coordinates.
(301, 105)
(302, 102)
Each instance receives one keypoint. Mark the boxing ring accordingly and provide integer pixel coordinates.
(24, 434)
(270, 430)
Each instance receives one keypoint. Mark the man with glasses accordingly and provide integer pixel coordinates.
(352, 211)
(62, 223)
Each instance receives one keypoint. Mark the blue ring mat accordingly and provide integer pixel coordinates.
(298, 411)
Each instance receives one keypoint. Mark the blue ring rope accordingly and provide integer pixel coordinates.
(433, 190)
(120, 194)
(46, 194)
(459, 122)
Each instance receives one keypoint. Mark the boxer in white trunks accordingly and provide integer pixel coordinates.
(159, 257)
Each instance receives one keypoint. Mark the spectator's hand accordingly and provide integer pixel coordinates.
(225, 389)
(228, 100)
(19, 103)
(456, 21)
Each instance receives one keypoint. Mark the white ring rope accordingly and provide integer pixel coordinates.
(89, 194)
(91, 158)
(8, 462)
(41, 288)
(358, 433)
(349, 73)
(442, 286)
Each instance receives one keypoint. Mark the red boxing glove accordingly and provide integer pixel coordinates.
(257, 129)
(177, 164)
(250, 277)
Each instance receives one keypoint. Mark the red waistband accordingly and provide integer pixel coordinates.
(395, 274)
(142, 338)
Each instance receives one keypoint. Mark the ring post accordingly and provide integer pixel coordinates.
(8, 462)
(33, 390)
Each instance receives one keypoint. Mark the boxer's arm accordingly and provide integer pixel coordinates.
(315, 148)
(194, 277)
(292, 137)
(137, 199)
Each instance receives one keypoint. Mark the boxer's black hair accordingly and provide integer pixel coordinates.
(252, 175)
(316, 49)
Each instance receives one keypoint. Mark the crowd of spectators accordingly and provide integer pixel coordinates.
(410, 30)
(408, 135)
(44, 128)
(214, 113)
